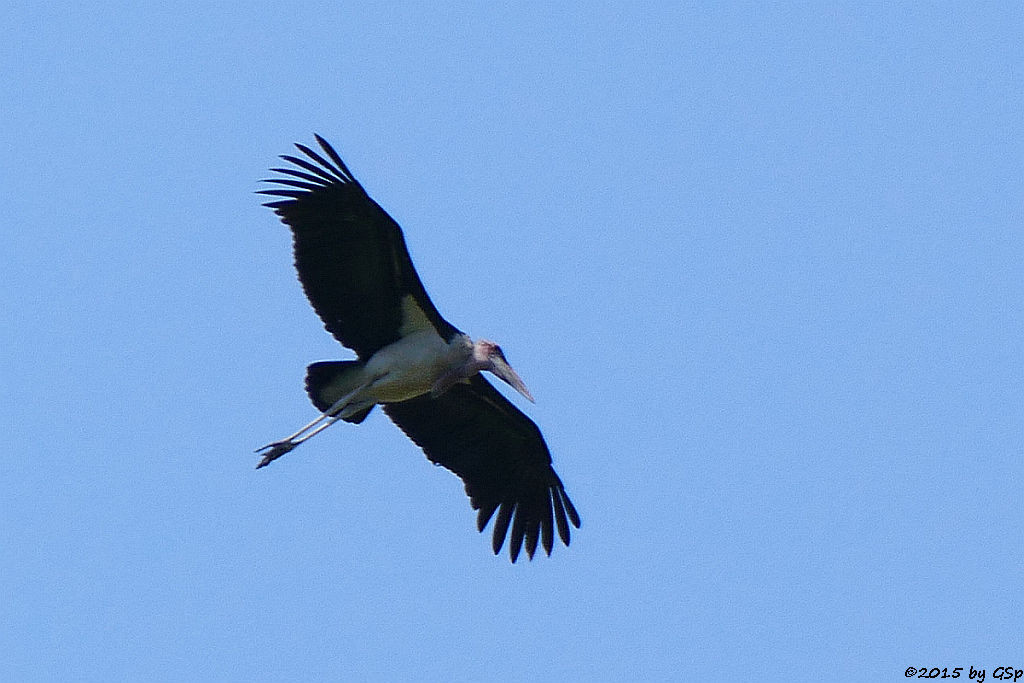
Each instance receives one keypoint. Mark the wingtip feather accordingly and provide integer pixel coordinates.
(341, 175)
(563, 524)
(316, 170)
(484, 516)
(515, 541)
(546, 529)
(335, 157)
(574, 516)
(501, 526)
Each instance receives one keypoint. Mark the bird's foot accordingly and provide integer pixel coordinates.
(274, 451)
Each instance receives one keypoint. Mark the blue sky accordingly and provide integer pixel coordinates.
(761, 268)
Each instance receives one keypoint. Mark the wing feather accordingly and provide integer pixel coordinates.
(501, 457)
(350, 255)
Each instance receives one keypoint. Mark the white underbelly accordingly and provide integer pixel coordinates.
(407, 368)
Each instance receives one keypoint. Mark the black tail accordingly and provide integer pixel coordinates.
(329, 380)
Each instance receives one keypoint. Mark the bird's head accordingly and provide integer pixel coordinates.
(488, 356)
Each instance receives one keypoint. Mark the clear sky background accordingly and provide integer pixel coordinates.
(762, 268)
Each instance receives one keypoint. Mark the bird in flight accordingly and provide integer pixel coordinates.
(356, 272)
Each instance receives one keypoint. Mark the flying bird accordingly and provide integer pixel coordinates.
(356, 272)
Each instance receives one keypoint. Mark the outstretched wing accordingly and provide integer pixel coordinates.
(350, 255)
(501, 457)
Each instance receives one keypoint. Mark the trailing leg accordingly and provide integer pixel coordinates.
(324, 381)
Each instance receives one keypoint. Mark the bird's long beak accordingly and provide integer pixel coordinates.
(506, 374)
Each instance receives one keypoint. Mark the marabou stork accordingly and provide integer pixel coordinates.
(355, 269)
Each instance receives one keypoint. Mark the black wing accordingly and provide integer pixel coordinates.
(501, 457)
(350, 254)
